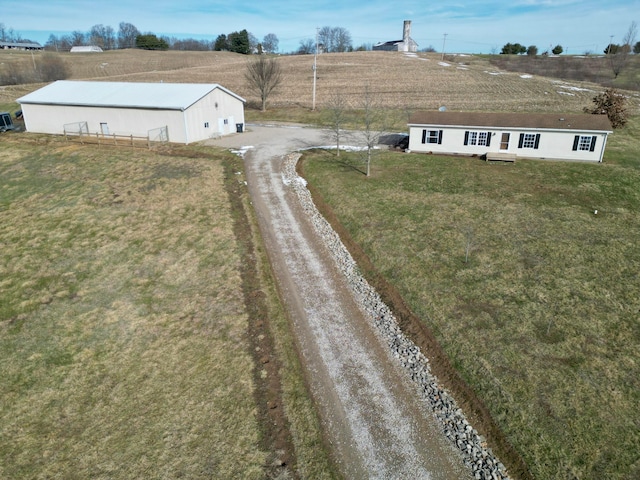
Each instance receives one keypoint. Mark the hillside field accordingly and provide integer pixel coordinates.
(540, 318)
(397, 81)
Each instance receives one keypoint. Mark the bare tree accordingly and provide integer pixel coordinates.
(77, 38)
(270, 43)
(263, 75)
(620, 58)
(373, 123)
(127, 34)
(337, 108)
(307, 46)
(254, 44)
(335, 39)
(102, 36)
(342, 39)
(51, 67)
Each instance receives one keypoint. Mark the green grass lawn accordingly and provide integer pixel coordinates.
(534, 296)
(124, 349)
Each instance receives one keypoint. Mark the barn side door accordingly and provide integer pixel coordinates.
(104, 128)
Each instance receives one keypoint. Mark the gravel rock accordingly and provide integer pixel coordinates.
(463, 436)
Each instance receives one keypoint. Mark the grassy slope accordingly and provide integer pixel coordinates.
(123, 347)
(542, 318)
(127, 325)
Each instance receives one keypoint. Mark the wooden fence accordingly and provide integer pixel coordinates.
(110, 139)
(78, 132)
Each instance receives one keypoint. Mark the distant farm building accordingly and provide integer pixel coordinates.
(507, 136)
(188, 112)
(86, 49)
(20, 46)
(405, 45)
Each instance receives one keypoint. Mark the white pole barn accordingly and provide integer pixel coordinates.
(191, 111)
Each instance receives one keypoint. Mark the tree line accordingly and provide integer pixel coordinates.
(616, 54)
(128, 36)
(328, 40)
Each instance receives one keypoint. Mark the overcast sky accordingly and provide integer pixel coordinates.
(471, 26)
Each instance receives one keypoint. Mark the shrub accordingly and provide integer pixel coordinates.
(611, 104)
(48, 67)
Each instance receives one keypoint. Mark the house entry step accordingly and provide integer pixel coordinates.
(501, 157)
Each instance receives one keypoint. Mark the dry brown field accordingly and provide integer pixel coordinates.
(399, 81)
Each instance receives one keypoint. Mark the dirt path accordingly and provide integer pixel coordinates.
(372, 415)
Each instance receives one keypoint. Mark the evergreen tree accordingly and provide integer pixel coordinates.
(150, 42)
(239, 42)
(221, 43)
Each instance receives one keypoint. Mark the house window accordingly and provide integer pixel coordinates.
(226, 121)
(584, 143)
(482, 139)
(529, 140)
(432, 136)
(206, 124)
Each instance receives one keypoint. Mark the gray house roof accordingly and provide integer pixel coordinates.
(528, 121)
(162, 96)
(21, 45)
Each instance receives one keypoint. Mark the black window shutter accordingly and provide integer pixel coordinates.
(537, 144)
(440, 137)
(521, 141)
(488, 138)
(593, 144)
(576, 140)
(424, 136)
(466, 138)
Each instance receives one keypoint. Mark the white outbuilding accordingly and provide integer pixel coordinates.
(187, 112)
(86, 49)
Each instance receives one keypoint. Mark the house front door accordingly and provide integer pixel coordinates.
(504, 141)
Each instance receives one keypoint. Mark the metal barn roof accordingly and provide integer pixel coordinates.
(161, 96)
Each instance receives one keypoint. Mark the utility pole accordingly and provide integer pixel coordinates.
(610, 42)
(315, 75)
(443, 43)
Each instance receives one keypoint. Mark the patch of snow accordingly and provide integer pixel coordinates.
(526, 76)
(494, 73)
(346, 148)
(575, 89)
(241, 151)
(567, 93)
(462, 68)
(444, 64)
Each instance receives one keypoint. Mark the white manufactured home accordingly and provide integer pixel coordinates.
(507, 136)
(188, 112)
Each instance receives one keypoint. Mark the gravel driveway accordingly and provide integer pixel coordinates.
(374, 417)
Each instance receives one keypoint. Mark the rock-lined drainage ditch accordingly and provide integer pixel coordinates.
(477, 456)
